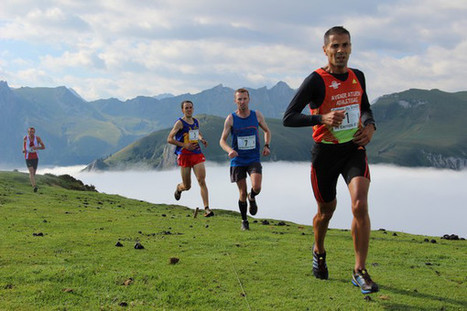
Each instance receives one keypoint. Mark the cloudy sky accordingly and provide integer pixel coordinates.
(126, 48)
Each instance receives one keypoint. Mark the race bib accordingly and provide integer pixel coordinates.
(193, 136)
(246, 142)
(351, 119)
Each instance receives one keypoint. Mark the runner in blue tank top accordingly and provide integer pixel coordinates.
(183, 136)
(245, 139)
(244, 152)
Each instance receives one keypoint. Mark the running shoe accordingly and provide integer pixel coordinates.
(253, 206)
(35, 189)
(320, 269)
(362, 279)
(208, 213)
(245, 225)
(177, 194)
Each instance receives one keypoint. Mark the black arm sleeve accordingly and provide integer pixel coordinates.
(367, 114)
(311, 92)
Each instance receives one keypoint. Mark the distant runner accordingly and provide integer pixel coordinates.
(32, 143)
(343, 125)
(185, 135)
(244, 153)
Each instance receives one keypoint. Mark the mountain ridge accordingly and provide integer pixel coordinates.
(411, 127)
(416, 127)
(76, 131)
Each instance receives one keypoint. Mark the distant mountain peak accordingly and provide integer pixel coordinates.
(4, 88)
(164, 95)
(218, 89)
(281, 88)
(281, 84)
(74, 93)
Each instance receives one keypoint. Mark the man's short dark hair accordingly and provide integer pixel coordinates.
(186, 101)
(242, 90)
(336, 30)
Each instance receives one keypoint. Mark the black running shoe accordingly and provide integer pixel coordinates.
(245, 225)
(35, 189)
(177, 194)
(253, 206)
(362, 279)
(208, 213)
(320, 269)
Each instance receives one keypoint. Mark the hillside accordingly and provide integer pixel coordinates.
(59, 251)
(421, 128)
(153, 151)
(76, 131)
(72, 130)
(415, 128)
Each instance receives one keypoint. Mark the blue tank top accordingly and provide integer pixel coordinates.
(245, 139)
(189, 133)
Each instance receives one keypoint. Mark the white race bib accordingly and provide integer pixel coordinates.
(351, 119)
(193, 136)
(246, 142)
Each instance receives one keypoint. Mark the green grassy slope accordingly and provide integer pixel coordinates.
(58, 252)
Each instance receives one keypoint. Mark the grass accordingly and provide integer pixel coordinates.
(75, 264)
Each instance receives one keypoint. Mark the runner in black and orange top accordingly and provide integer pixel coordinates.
(32, 143)
(185, 135)
(343, 125)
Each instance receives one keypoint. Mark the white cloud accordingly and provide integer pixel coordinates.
(183, 46)
(86, 58)
(438, 68)
(36, 76)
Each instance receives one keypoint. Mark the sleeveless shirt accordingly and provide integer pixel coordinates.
(188, 134)
(339, 95)
(245, 139)
(30, 153)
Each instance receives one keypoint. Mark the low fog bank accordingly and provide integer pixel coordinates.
(412, 200)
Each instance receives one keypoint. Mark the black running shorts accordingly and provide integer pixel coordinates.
(328, 161)
(32, 163)
(239, 172)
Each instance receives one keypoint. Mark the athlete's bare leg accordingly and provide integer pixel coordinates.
(256, 182)
(242, 191)
(32, 176)
(200, 173)
(321, 223)
(186, 179)
(358, 188)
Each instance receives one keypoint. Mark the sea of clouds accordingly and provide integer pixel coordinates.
(413, 200)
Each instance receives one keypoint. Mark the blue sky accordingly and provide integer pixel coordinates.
(124, 48)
